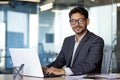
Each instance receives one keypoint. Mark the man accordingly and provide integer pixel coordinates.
(81, 53)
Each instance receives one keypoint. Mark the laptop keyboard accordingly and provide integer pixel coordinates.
(51, 75)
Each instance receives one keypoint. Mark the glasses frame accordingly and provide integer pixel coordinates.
(80, 21)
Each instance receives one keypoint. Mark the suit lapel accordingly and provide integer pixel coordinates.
(81, 44)
(72, 43)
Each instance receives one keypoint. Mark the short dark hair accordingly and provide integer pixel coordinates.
(80, 10)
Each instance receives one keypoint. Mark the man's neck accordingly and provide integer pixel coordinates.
(78, 36)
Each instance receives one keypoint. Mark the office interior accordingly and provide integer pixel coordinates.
(43, 24)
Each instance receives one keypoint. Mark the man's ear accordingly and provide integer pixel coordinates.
(88, 21)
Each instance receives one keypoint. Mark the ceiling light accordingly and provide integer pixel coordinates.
(118, 4)
(30, 0)
(4, 2)
(46, 6)
(56, 11)
(92, 0)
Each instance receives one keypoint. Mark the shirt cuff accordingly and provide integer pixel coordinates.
(68, 71)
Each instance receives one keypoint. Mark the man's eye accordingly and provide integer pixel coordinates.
(81, 20)
(72, 20)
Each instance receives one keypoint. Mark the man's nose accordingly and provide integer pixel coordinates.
(76, 22)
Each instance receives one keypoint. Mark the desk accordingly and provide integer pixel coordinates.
(10, 77)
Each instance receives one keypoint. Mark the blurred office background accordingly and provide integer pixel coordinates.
(43, 24)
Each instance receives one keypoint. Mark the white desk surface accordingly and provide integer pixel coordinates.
(10, 77)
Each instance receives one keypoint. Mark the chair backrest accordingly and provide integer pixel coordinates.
(106, 62)
(41, 53)
(40, 48)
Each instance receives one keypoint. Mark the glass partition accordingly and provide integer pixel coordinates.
(16, 30)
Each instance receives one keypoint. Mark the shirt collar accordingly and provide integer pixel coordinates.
(80, 38)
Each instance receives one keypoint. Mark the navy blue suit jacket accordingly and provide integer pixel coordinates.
(88, 55)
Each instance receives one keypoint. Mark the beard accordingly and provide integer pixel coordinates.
(80, 29)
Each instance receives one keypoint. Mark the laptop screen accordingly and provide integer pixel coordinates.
(28, 57)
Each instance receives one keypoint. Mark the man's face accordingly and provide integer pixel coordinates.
(78, 23)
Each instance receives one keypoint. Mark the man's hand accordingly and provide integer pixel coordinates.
(57, 71)
(44, 69)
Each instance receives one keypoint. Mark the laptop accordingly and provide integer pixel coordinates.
(28, 57)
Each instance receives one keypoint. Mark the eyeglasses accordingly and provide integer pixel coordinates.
(73, 21)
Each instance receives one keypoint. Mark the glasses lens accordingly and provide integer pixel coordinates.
(81, 20)
(72, 21)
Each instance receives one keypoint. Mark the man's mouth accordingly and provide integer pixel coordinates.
(77, 28)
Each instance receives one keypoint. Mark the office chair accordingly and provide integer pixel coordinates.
(41, 53)
(106, 61)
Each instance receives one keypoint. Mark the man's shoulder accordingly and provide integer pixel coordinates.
(94, 36)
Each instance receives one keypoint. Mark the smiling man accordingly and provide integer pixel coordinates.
(81, 53)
